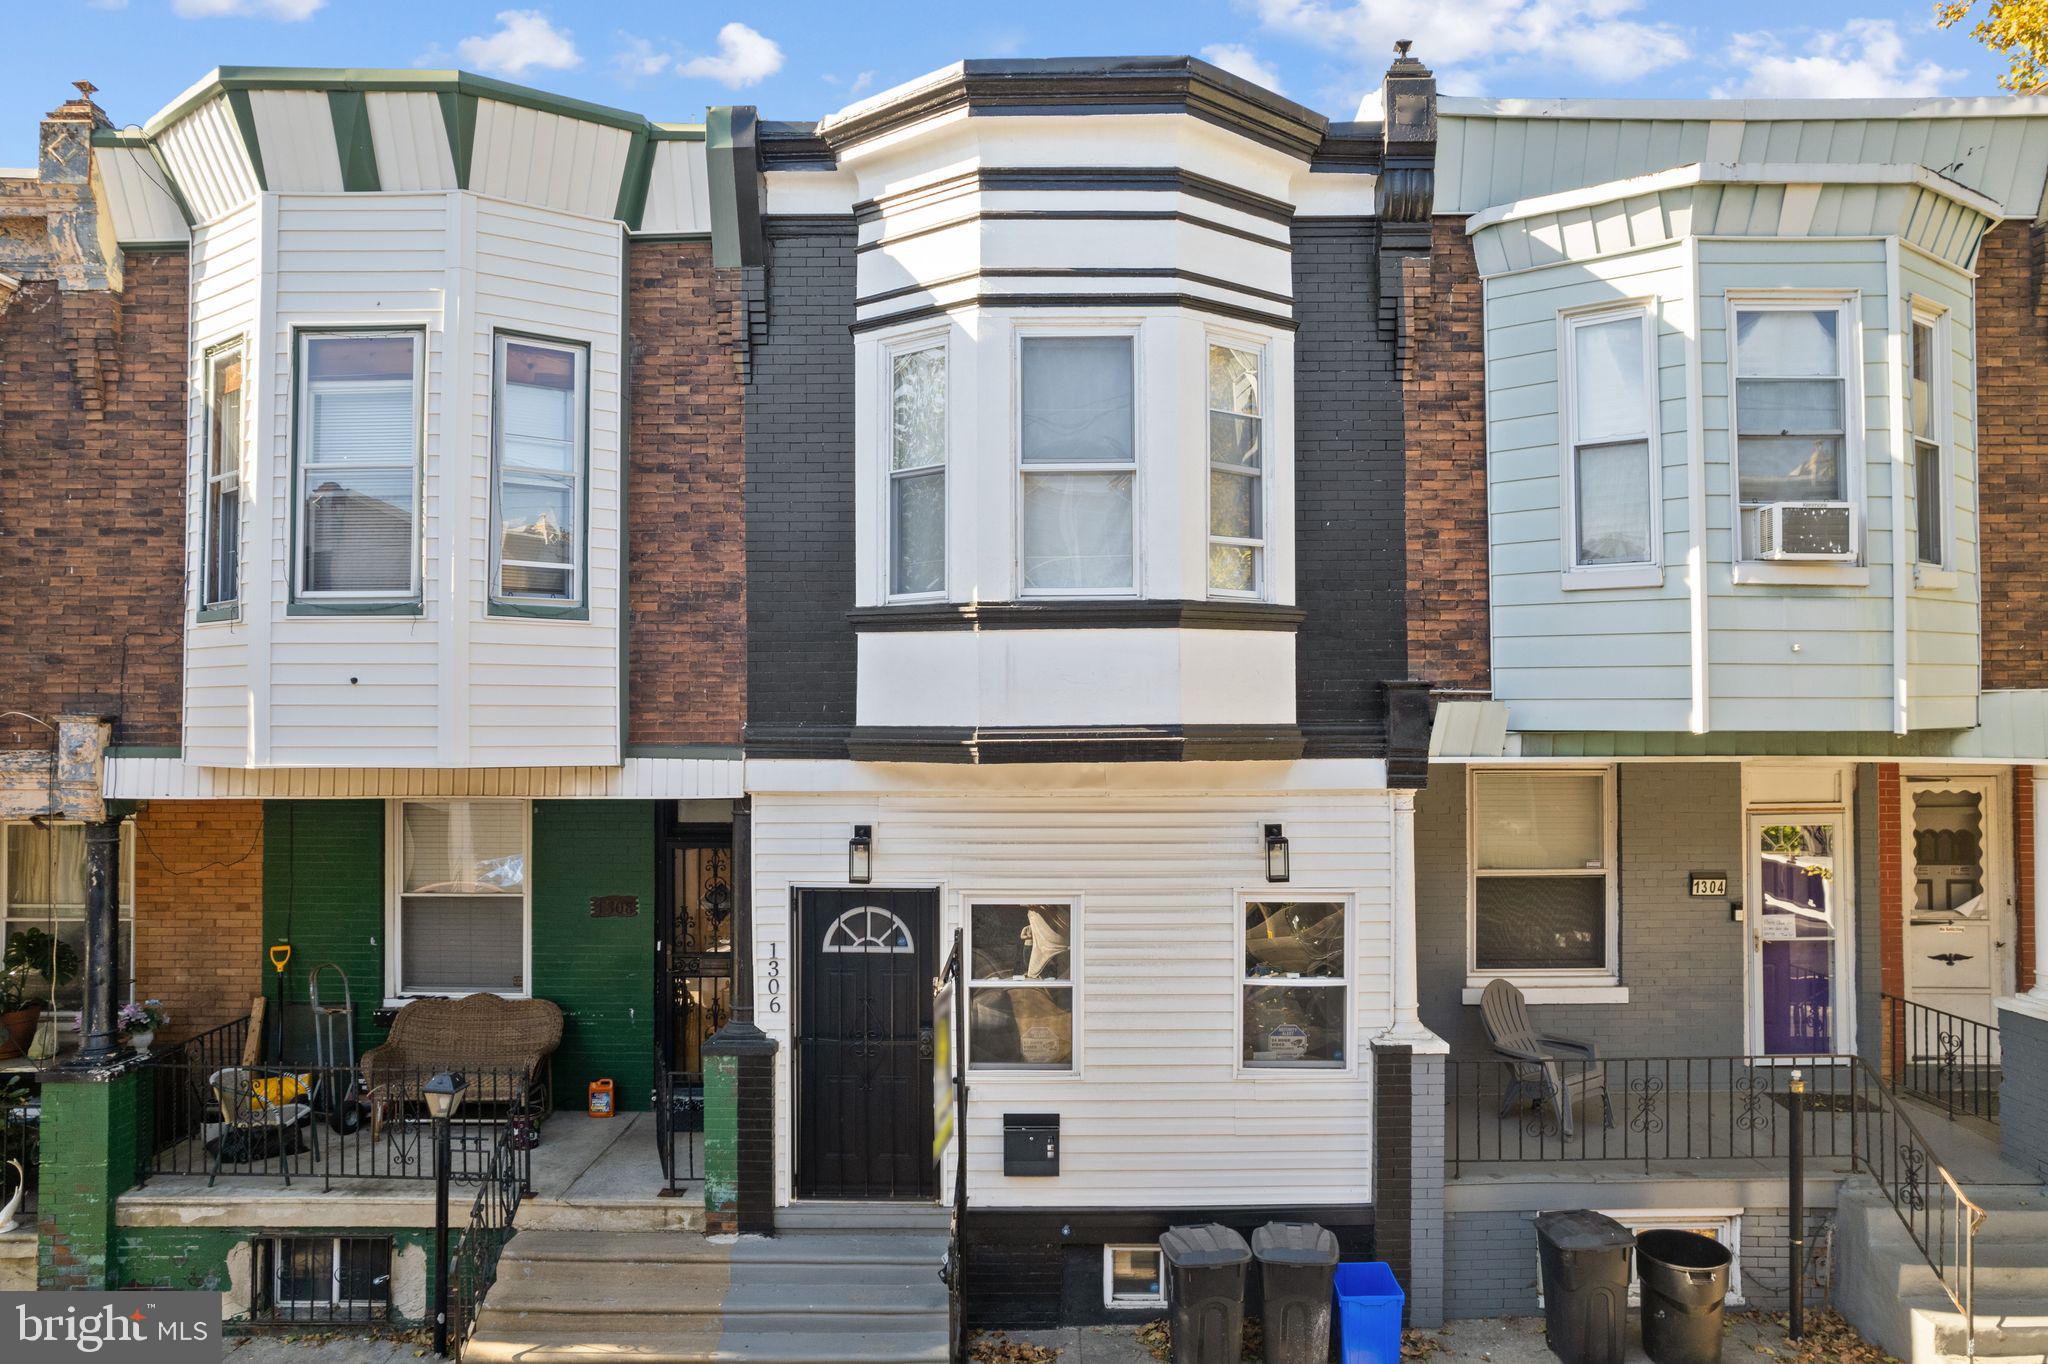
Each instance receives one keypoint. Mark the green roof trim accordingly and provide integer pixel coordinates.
(353, 142)
(633, 181)
(677, 132)
(245, 123)
(228, 79)
(458, 112)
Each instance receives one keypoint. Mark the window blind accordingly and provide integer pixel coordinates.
(1528, 822)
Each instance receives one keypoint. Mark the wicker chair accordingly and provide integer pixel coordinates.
(500, 1046)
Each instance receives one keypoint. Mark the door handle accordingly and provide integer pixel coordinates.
(924, 1044)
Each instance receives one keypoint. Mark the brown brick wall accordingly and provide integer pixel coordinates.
(1446, 496)
(92, 458)
(199, 909)
(686, 557)
(2012, 424)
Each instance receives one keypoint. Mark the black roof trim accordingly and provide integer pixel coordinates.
(1090, 85)
(1354, 147)
(787, 146)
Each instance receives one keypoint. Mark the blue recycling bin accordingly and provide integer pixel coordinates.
(1369, 1313)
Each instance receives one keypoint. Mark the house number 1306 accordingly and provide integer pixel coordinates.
(774, 981)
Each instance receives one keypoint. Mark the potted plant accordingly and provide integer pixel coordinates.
(139, 1022)
(33, 954)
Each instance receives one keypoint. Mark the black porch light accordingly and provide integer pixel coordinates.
(443, 1094)
(860, 855)
(1278, 867)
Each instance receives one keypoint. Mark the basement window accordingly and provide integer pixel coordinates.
(324, 1279)
(1133, 1276)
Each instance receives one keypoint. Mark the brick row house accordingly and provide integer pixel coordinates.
(1015, 663)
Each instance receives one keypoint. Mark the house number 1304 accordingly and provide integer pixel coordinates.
(774, 981)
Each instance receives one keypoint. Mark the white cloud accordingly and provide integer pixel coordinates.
(290, 11)
(1866, 58)
(744, 58)
(640, 59)
(525, 41)
(861, 84)
(1240, 60)
(1593, 39)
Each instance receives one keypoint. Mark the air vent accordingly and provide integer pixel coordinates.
(1806, 531)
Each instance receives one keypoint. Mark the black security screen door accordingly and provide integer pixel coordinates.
(864, 1043)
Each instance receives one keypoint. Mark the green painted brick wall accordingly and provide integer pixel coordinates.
(91, 1130)
(323, 890)
(197, 1257)
(601, 971)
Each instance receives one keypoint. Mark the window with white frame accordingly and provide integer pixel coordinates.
(917, 471)
(220, 575)
(1077, 450)
(1792, 409)
(359, 461)
(540, 458)
(1928, 397)
(1133, 1276)
(42, 913)
(1237, 460)
(327, 1278)
(1295, 991)
(460, 897)
(1542, 881)
(1020, 986)
(1611, 417)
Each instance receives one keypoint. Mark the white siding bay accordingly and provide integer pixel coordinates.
(1158, 1110)
(1942, 614)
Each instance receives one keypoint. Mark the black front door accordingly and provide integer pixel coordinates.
(864, 1043)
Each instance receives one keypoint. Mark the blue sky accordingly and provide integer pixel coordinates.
(670, 58)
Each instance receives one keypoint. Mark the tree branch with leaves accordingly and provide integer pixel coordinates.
(2015, 29)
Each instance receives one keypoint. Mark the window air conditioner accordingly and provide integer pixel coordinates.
(1806, 531)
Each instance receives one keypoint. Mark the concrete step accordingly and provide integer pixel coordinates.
(616, 1278)
(609, 1214)
(619, 1294)
(840, 1217)
(647, 1248)
(671, 1345)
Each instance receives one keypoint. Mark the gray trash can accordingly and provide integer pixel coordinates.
(1205, 1268)
(1585, 1285)
(1297, 1266)
(1685, 1287)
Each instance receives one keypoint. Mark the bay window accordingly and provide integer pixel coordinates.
(220, 568)
(916, 513)
(1928, 396)
(359, 464)
(539, 462)
(460, 900)
(1295, 991)
(1610, 419)
(1542, 902)
(1077, 444)
(1020, 986)
(42, 912)
(1237, 458)
(1791, 408)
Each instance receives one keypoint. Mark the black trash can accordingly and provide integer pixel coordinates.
(1585, 1285)
(1297, 1268)
(1685, 1289)
(1205, 1292)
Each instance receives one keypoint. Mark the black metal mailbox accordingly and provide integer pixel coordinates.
(1031, 1144)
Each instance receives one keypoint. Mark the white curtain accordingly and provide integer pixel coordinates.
(1607, 380)
(1533, 822)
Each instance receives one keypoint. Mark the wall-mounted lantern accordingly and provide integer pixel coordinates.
(1278, 867)
(860, 855)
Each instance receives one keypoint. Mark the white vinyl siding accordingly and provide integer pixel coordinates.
(1944, 608)
(1541, 901)
(460, 897)
(1160, 1110)
(359, 464)
(1078, 450)
(538, 472)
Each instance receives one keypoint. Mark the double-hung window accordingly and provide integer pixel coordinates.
(42, 912)
(1610, 419)
(1237, 484)
(1791, 407)
(460, 897)
(541, 460)
(917, 471)
(359, 464)
(220, 573)
(1077, 519)
(1020, 989)
(1295, 991)
(1542, 887)
(1928, 396)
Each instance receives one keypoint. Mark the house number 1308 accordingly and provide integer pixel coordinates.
(774, 981)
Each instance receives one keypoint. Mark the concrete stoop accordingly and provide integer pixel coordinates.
(841, 1294)
(1883, 1286)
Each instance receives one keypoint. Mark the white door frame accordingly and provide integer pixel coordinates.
(1842, 989)
(1997, 855)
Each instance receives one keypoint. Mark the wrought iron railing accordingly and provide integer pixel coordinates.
(678, 1122)
(21, 1123)
(1739, 1108)
(474, 1265)
(1943, 1059)
(218, 1118)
